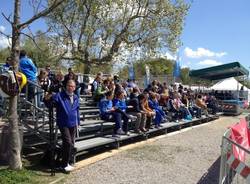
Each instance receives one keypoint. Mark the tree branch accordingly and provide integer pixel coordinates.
(6, 35)
(83, 27)
(40, 14)
(33, 39)
(7, 18)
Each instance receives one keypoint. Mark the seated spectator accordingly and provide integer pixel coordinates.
(155, 86)
(188, 101)
(98, 90)
(121, 107)
(143, 100)
(159, 113)
(106, 107)
(212, 104)
(164, 96)
(191, 112)
(109, 113)
(136, 111)
(177, 107)
(201, 104)
(135, 93)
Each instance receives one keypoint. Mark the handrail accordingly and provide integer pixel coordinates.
(38, 108)
(238, 145)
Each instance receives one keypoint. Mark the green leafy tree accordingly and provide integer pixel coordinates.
(4, 53)
(185, 76)
(159, 66)
(94, 31)
(38, 48)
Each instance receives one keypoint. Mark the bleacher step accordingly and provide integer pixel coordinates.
(89, 111)
(87, 107)
(90, 117)
(92, 143)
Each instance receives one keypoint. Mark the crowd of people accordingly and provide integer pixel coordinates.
(158, 103)
(125, 101)
(43, 80)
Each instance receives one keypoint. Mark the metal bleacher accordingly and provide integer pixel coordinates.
(93, 133)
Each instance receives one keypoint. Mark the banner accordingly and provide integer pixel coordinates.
(240, 134)
(147, 76)
(131, 72)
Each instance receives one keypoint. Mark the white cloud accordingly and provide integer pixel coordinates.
(210, 62)
(167, 55)
(201, 52)
(4, 42)
(2, 28)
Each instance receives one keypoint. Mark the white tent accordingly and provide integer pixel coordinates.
(230, 84)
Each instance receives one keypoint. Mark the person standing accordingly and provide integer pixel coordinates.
(67, 119)
(28, 68)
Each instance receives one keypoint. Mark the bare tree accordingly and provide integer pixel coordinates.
(17, 27)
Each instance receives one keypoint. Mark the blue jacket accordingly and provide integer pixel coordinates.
(105, 105)
(67, 114)
(120, 104)
(28, 68)
(153, 104)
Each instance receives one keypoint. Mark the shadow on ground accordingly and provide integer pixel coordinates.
(212, 175)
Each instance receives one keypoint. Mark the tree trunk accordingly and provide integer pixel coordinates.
(87, 68)
(87, 64)
(15, 161)
(14, 134)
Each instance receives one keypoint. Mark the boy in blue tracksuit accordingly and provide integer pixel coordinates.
(67, 119)
(121, 107)
(160, 114)
(110, 112)
(106, 107)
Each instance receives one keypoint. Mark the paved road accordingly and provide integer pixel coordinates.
(186, 158)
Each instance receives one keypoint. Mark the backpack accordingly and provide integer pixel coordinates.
(11, 83)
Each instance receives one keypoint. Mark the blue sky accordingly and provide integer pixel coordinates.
(215, 31)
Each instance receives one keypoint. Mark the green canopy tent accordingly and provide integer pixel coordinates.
(220, 72)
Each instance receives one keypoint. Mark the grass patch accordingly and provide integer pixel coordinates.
(25, 176)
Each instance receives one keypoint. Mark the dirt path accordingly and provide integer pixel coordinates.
(188, 157)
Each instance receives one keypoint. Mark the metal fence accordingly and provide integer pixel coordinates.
(233, 170)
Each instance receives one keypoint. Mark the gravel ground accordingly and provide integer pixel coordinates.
(185, 158)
